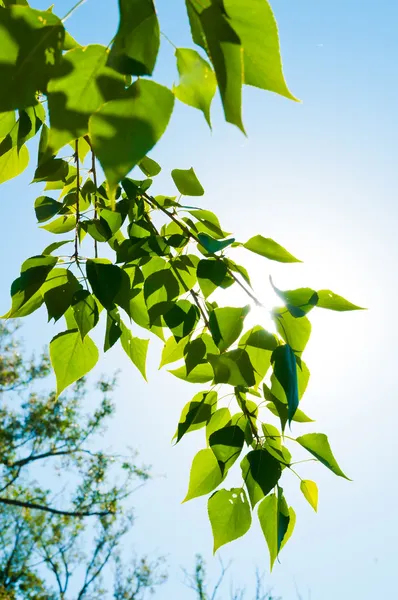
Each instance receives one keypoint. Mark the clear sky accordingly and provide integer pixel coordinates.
(320, 178)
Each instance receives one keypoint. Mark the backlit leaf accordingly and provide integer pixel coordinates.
(318, 445)
(31, 44)
(13, 162)
(257, 29)
(212, 245)
(233, 367)
(310, 491)
(328, 299)
(197, 84)
(229, 514)
(196, 413)
(136, 45)
(71, 357)
(105, 280)
(226, 325)
(124, 131)
(80, 84)
(135, 348)
(205, 474)
(270, 249)
(213, 31)
(261, 472)
(186, 182)
(227, 444)
(85, 311)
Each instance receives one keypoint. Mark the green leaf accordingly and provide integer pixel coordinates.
(196, 413)
(318, 445)
(149, 167)
(299, 415)
(182, 318)
(227, 444)
(233, 367)
(46, 208)
(213, 31)
(200, 374)
(197, 84)
(270, 249)
(285, 370)
(277, 527)
(7, 122)
(310, 491)
(13, 162)
(105, 280)
(54, 246)
(124, 131)
(136, 45)
(211, 273)
(172, 351)
(58, 291)
(135, 348)
(85, 310)
(295, 332)
(258, 32)
(226, 325)
(298, 302)
(31, 46)
(34, 272)
(79, 86)
(219, 419)
(328, 299)
(212, 245)
(113, 329)
(208, 223)
(186, 182)
(259, 345)
(230, 516)
(261, 472)
(61, 224)
(205, 474)
(71, 357)
(195, 351)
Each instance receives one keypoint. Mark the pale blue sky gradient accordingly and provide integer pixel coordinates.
(321, 178)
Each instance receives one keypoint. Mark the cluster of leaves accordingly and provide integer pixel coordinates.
(167, 258)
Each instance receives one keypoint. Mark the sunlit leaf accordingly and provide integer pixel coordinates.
(257, 29)
(58, 291)
(197, 84)
(124, 131)
(227, 444)
(13, 162)
(270, 249)
(105, 280)
(31, 44)
(136, 45)
(205, 474)
(135, 348)
(318, 445)
(226, 325)
(328, 299)
(229, 514)
(80, 84)
(310, 491)
(71, 357)
(196, 413)
(261, 472)
(212, 30)
(85, 311)
(186, 182)
(233, 367)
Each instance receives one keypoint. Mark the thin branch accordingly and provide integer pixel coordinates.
(54, 511)
(28, 459)
(72, 10)
(76, 254)
(94, 172)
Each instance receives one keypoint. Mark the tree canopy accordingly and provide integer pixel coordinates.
(135, 260)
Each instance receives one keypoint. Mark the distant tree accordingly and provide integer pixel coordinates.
(61, 525)
(197, 581)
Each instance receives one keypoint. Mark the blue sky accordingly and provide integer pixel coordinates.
(320, 178)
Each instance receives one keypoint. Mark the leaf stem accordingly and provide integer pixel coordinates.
(76, 254)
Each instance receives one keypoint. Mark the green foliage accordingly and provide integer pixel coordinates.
(152, 260)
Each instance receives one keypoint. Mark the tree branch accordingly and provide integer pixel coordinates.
(54, 511)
